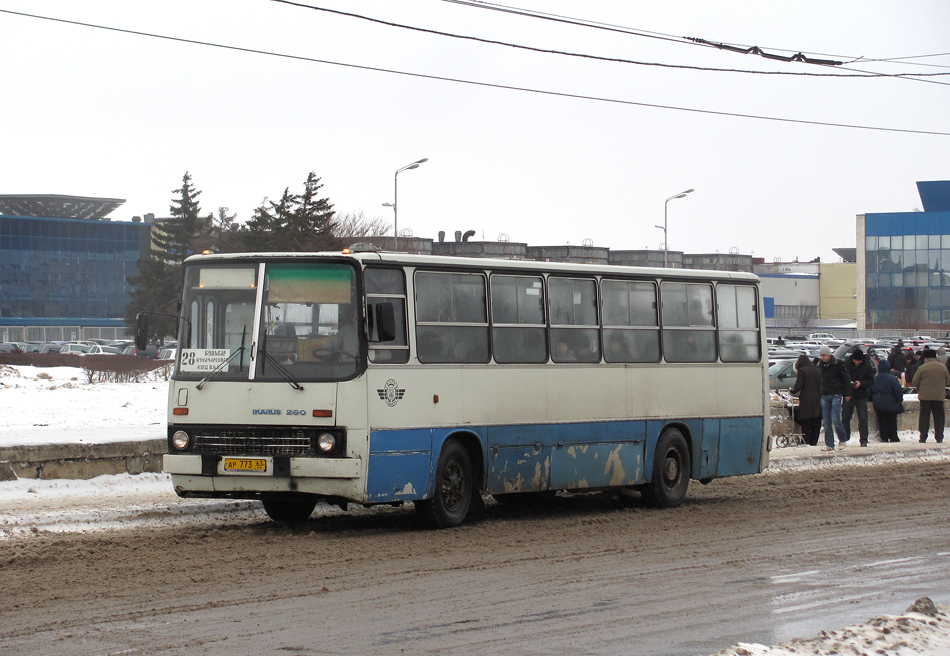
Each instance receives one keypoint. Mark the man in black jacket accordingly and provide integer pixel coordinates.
(896, 358)
(862, 377)
(835, 388)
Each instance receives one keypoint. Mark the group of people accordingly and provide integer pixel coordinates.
(904, 361)
(831, 392)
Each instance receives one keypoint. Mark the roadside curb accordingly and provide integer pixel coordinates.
(81, 460)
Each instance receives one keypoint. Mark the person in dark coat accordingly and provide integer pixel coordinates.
(835, 389)
(887, 396)
(808, 388)
(862, 377)
(896, 358)
(911, 363)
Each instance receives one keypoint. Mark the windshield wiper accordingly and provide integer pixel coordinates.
(286, 375)
(221, 367)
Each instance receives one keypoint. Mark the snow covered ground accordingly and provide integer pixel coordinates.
(57, 405)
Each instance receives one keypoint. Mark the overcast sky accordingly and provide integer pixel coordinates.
(103, 113)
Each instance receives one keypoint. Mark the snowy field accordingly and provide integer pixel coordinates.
(57, 405)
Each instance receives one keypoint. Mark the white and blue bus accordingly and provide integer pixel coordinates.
(379, 378)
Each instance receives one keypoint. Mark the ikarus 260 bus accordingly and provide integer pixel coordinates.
(380, 378)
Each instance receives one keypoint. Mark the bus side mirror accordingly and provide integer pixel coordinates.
(385, 322)
(141, 331)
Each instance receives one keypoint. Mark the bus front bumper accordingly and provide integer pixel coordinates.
(196, 465)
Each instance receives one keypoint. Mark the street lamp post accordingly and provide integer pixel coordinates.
(407, 167)
(666, 243)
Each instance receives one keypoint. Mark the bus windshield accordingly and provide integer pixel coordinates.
(308, 322)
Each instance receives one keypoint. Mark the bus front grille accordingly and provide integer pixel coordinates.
(277, 441)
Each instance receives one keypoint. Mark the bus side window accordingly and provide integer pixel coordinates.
(631, 327)
(453, 307)
(518, 329)
(386, 286)
(575, 332)
(689, 334)
(738, 324)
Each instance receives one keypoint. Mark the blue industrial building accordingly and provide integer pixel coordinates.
(904, 265)
(64, 262)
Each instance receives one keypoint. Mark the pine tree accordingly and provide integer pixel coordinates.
(267, 229)
(174, 239)
(220, 234)
(312, 227)
(295, 223)
(157, 284)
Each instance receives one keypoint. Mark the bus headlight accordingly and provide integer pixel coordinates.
(180, 440)
(326, 442)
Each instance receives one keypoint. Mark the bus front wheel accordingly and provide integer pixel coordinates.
(671, 470)
(452, 495)
(289, 509)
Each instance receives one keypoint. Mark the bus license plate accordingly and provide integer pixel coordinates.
(245, 464)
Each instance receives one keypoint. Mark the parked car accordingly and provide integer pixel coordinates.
(150, 351)
(74, 348)
(821, 336)
(785, 354)
(50, 347)
(782, 374)
(874, 351)
(98, 349)
(168, 354)
(810, 344)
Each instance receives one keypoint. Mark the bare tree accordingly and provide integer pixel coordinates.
(355, 224)
(804, 316)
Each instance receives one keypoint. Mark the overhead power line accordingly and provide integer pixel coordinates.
(756, 50)
(901, 60)
(800, 57)
(743, 49)
(616, 60)
(558, 94)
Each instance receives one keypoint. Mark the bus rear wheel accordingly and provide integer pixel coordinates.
(290, 508)
(671, 470)
(452, 496)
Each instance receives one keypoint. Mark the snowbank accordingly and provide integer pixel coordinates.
(922, 629)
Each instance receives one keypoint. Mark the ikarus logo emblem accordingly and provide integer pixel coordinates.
(391, 393)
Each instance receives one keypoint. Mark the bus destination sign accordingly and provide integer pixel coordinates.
(203, 360)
